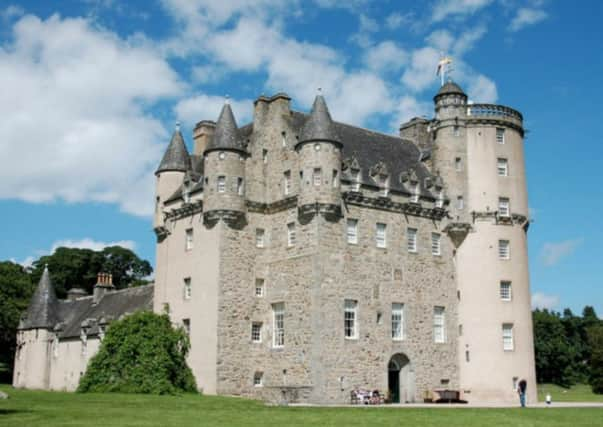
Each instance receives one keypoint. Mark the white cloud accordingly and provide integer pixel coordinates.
(421, 72)
(11, 12)
(409, 107)
(88, 243)
(385, 56)
(458, 8)
(552, 253)
(482, 89)
(542, 301)
(396, 20)
(207, 107)
(74, 123)
(527, 16)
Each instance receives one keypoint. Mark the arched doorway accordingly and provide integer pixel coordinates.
(401, 379)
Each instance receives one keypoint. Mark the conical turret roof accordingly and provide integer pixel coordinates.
(43, 307)
(319, 126)
(450, 88)
(226, 136)
(176, 157)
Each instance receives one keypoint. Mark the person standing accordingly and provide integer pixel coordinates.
(521, 389)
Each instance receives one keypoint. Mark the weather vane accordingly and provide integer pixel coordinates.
(444, 67)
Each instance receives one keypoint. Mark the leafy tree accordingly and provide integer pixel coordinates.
(142, 353)
(75, 267)
(15, 291)
(595, 336)
(553, 354)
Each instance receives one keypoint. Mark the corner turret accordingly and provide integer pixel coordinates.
(319, 150)
(43, 307)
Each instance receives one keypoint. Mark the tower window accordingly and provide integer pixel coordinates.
(381, 235)
(456, 131)
(259, 237)
(259, 288)
(256, 331)
(284, 138)
(352, 231)
(222, 155)
(411, 239)
(435, 244)
(503, 249)
(502, 166)
(258, 379)
(384, 183)
(439, 324)
(335, 178)
(350, 319)
(265, 156)
(317, 176)
(460, 203)
(188, 239)
(287, 182)
(439, 201)
(505, 290)
(507, 333)
(291, 237)
(278, 319)
(187, 288)
(500, 135)
(397, 321)
(221, 184)
(458, 164)
(503, 206)
(240, 186)
(356, 177)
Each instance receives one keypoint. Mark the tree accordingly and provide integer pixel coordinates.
(553, 354)
(16, 289)
(75, 267)
(595, 337)
(142, 353)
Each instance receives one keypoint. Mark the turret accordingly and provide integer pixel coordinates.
(170, 173)
(450, 101)
(42, 309)
(224, 181)
(319, 150)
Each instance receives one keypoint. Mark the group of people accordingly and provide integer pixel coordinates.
(367, 397)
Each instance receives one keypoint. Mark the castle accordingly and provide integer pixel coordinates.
(307, 258)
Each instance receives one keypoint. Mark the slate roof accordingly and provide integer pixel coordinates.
(176, 157)
(42, 311)
(319, 125)
(450, 87)
(226, 136)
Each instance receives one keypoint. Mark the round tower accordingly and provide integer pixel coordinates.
(224, 180)
(170, 173)
(319, 150)
(482, 161)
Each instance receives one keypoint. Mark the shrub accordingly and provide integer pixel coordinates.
(141, 353)
(595, 337)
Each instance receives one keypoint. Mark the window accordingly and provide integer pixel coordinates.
(356, 177)
(240, 186)
(335, 178)
(411, 239)
(503, 206)
(503, 249)
(456, 131)
(458, 164)
(221, 184)
(317, 176)
(380, 235)
(439, 325)
(505, 290)
(439, 201)
(188, 239)
(460, 203)
(352, 231)
(259, 287)
(278, 319)
(284, 138)
(258, 379)
(301, 177)
(414, 197)
(435, 244)
(507, 333)
(259, 237)
(265, 156)
(222, 155)
(349, 319)
(500, 135)
(287, 182)
(502, 167)
(384, 183)
(187, 288)
(291, 234)
(256, 331)
(186, 324)
(397, 321)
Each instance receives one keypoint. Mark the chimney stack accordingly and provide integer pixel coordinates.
(104, 284)
(202, 133)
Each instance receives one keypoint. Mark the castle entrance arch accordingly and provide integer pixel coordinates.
(401, 379)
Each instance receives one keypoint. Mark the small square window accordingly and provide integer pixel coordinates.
(265, 156)
(505, 291)
(352, 231)
(240, 186)
(317, 176)
(291, 237)
(287, 182)
(460, 203)
(439, 199)
(188, 244)
(256, 332)
(503, 207)
(435, 244)
(259, 237)
(335, 178)
(458, 164)
(258, 379)
(456, 131)
(503, 249)
(221, 184)
(411, 239)
(259, 287)
(502, 167)
(187, 288)
(381, 235)
(500, 135)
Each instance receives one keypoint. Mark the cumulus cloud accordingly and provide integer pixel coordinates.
(552, 253)
(207, 107)
(75, 125)
(544, 301)
(527, 16)
(409, 107)
(457, 8)
(385, 56)
(397, 20)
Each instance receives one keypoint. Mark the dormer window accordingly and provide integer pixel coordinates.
(414, 197)
(439, 202)
(384, 184)
(356, 178)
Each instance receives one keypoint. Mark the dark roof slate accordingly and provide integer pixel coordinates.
(226, 136)
(43, 307)
(176, 157)
(319, 125)
(450, 87)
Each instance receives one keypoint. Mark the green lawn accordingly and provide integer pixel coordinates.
(32, 408)
(577, 393)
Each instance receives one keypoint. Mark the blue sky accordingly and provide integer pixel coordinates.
(91, 91)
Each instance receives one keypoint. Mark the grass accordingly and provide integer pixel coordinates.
(49, 409)
(576, 393)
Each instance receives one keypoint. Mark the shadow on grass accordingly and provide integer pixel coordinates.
(12, 411)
